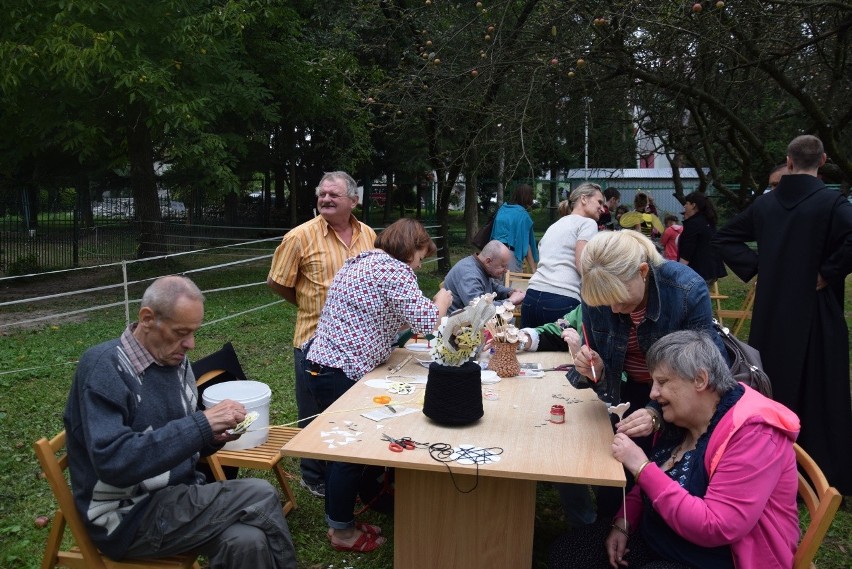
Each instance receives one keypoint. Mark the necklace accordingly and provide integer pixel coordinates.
(676, 455)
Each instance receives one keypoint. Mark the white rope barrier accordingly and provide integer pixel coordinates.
(127, 301)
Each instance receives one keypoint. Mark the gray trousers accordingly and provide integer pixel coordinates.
(235, 523)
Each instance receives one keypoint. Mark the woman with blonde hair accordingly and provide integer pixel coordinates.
(632, 297)
(554, 289)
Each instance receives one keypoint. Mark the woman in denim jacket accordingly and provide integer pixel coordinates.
(632, 297)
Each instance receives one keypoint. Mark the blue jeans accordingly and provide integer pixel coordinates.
(313, 470)
(540, 308)
(326, 385)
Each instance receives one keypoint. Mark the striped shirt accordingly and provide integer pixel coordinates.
(634, 360)
(307, 260)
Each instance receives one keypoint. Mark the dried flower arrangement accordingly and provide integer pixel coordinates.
(460, 335)
(502, 327)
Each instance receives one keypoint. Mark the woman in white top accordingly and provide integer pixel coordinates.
(554, 289)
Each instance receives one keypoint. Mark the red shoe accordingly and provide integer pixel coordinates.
(365, 543)
(368, 528)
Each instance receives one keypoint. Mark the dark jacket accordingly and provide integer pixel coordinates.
(695, 246)
(678, 299)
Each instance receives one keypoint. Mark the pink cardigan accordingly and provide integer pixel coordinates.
(750, 502)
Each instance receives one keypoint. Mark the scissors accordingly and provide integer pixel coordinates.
(560, 367)
(399, 445)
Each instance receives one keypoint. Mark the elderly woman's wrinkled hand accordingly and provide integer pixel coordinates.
(628, 453)
(637, 424)
(616, 548)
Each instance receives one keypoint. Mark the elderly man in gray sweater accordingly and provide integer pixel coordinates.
(135, 435)
(480, 274)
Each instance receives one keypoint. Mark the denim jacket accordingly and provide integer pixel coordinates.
(678, 299)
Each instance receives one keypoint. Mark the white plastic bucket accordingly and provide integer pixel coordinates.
(255, 396)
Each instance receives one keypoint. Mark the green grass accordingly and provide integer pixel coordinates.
(31, 405)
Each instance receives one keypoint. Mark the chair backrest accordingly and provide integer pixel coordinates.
(822, 502)
(517, 280)
(54, 460)
(221, 365)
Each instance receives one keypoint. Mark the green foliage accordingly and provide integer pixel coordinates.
(24, 265)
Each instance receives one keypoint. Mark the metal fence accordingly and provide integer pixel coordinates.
(57, 239)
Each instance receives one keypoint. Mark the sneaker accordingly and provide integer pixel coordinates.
(317, 490)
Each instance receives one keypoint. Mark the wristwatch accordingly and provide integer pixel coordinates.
(655, 420)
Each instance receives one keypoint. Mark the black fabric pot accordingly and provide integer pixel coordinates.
(454, 394)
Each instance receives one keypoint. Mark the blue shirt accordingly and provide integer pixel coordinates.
(514, 227)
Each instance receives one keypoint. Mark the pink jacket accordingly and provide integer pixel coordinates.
(750, 502)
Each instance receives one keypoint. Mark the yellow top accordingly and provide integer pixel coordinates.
(307, 259)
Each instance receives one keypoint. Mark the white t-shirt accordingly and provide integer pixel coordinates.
(557, 270)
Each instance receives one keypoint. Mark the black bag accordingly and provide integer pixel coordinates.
(376, 490)
(483, 236)
(746, 365)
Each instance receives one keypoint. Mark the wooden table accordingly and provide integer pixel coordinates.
(435, 524)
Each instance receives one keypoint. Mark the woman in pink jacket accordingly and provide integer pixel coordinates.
(718, 489)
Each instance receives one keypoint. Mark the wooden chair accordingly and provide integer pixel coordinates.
(716, 297)
(263, 457)
(53, 458)
(822, 502)
(520, 281)
(742, 314)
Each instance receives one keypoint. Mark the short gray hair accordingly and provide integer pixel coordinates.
(164, 293)
(351, 185)
(686, 353)
(494, 249)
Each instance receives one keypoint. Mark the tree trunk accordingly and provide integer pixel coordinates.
(141, 153)
(471, 205)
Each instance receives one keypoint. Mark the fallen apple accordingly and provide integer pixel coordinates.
(697, 8)
(42, 521)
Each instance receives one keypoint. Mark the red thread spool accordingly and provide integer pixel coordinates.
(557, 414)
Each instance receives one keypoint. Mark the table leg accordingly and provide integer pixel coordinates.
(435, 525)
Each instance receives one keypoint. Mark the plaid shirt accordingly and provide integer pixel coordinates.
(371, 297)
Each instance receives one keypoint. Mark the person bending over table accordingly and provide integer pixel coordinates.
(718, 489)
(554, 288)
(632, 297)
(372, 296)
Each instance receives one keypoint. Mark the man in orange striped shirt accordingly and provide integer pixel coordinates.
(302, 270)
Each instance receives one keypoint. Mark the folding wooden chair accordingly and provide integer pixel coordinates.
(742, 314)
(822, 502)
(517, 280)
(716, 297)
(263, 457)
(53, 459)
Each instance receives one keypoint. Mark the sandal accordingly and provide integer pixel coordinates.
(365, 543)
(368, 528)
